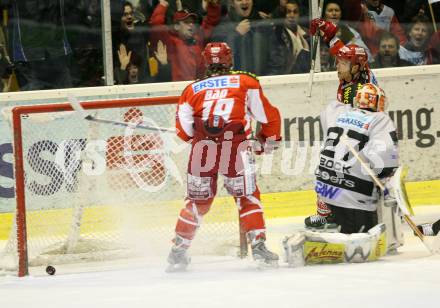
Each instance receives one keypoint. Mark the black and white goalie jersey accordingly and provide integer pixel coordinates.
(340, 178)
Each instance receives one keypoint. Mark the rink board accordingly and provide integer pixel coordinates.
(276, 205)
(414, 99)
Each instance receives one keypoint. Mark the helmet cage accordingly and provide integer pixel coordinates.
(370, 97)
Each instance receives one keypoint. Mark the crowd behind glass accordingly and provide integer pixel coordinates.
(55, 44)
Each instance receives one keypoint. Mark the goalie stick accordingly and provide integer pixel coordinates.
(76, 105)
(315, 41)
(370, 172)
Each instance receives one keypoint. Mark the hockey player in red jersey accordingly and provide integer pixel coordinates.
(352, 61)
(214, 114)
(353, 72)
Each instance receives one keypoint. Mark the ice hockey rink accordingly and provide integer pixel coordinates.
(408, 279)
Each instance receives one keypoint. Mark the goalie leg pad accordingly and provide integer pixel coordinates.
(328, 248)
(391, 216)
(293, 247)
(394, 204)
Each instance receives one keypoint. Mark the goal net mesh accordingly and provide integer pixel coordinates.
(96, 191)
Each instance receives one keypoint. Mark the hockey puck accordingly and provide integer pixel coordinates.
(50, 270)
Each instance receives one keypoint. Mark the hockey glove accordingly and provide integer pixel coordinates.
(327, 29)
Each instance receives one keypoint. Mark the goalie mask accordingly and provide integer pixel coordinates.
(217, 55)
(370, 97)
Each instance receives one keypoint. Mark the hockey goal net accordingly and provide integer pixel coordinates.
(87, 190)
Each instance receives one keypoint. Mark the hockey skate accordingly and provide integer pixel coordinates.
(319, 222)
(178, 260)
(263, 257)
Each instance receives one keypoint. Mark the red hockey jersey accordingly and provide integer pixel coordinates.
(234, 97)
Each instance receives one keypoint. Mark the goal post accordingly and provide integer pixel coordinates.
(95, 191)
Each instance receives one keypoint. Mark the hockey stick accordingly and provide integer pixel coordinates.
(373, 176)
(315, 41)
(76, 105)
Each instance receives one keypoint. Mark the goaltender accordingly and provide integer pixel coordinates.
(348, 190)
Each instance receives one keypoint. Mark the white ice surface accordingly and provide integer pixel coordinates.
(409, 279)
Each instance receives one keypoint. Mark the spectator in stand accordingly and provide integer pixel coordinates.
(185, 41)
(84, 33)
(388, 55)
(142, 10)
(347, 34)
(417, 50)
(279, 12)
(377, 18)
(434, 45)
(197, 7)
(130, 63)
(289, 46)
(415, 8)
(132, 40)
(128, 72)
(247, 34)
(38, 43)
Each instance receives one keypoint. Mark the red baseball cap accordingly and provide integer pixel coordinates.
(182, 15)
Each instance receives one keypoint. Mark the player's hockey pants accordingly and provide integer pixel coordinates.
(234, 160)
